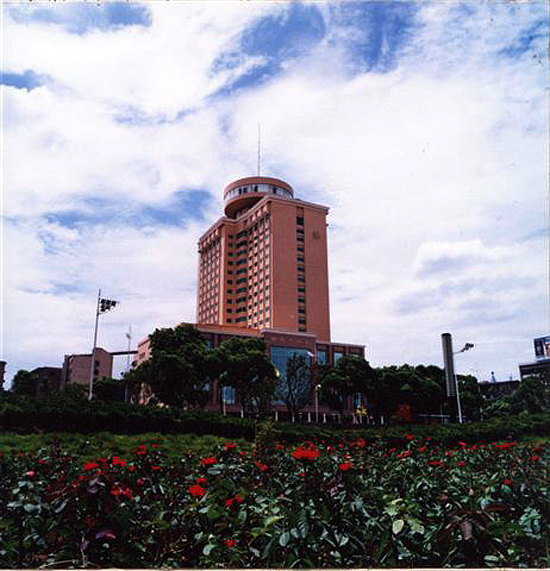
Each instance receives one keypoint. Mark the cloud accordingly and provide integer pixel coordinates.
(422, 126)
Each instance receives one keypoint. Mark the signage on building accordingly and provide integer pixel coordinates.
(542, 348)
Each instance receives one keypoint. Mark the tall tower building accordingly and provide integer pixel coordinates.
(264, 264)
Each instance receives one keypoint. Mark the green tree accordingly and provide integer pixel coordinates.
(109, 389)
(25, 383)
(244, 365)
(179, 369)
(351, 375)
(294, 387)
(471, 399)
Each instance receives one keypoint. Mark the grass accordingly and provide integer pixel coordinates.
(104, 444)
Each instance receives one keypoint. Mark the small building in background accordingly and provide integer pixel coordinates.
(77, 368)
(496, 390)
(49, 379)
(540, 368)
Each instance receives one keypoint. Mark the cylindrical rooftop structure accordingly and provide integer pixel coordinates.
(245, 192)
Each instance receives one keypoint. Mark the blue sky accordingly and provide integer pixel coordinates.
(422, 125)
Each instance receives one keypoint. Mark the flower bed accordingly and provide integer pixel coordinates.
(347, 504)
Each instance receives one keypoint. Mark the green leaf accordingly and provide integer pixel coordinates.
(284, 538)
(206, 550)
(397, 526)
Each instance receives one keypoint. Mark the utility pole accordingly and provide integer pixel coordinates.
(92, 367)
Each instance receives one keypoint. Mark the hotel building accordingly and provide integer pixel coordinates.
(264, 264)
(263, 272)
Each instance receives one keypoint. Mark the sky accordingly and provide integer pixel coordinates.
(423, 126)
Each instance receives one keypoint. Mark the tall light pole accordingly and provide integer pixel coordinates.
(451, 381)
(466, 347)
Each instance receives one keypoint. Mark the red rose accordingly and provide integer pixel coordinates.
(196, 490)
(208, 461)
(345, 466)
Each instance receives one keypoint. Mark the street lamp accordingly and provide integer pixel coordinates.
(317, 387)
(466, 347)
(451, 381)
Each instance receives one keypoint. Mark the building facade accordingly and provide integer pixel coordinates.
(264, 264)
(77, 368)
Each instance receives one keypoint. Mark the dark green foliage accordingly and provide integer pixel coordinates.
(109, 389)
(179, 369)
(244, 365)
(351, 375)
(532, 396)
(25, 383)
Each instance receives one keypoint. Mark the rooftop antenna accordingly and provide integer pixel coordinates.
(259, 147)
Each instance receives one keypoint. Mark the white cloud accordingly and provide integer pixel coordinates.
(441, 161)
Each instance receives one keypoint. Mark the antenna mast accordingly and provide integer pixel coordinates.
(259, 148)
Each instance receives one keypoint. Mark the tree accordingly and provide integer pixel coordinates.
(25, 383)
(244, 365)
(471, 399)
(294, 387)
(351, 375)
(109, 389)
(179, 369)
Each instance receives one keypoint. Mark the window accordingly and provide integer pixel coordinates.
(230, 282)
(229, 310)
(300, 290)
(230, 263)
(322, 357)
(298, 259)
(228, 395)
(239, 319)
(302, 321)
(230, 272)
(301, 310)
(301, 278)
(301, 300)
(337, 356)
(241, 280)
(300, 220)
(229, 320)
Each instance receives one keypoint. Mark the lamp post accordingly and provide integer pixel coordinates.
(317, 387)
(451, 381)
(466, 347)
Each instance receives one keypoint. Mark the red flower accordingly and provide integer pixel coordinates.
(460, 464)
(228, 503)
(505, 445)
(118, 461)
(30, 473)
(507, 482)
(435, 463)
(140, 481)
(261, 466)
(196, 490)
(156, 445)
(229, 446)
(91, 465)
(422, 449)
(345, 466)
(310, 453)
(155, 467)
(230, 542)
(462, 444)
(208, 461)
(201, 480)
(238, 499)
(409, 436)
(361, 443)
(535, 458)
(131, 468)
(404, 454)
(279, 446)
